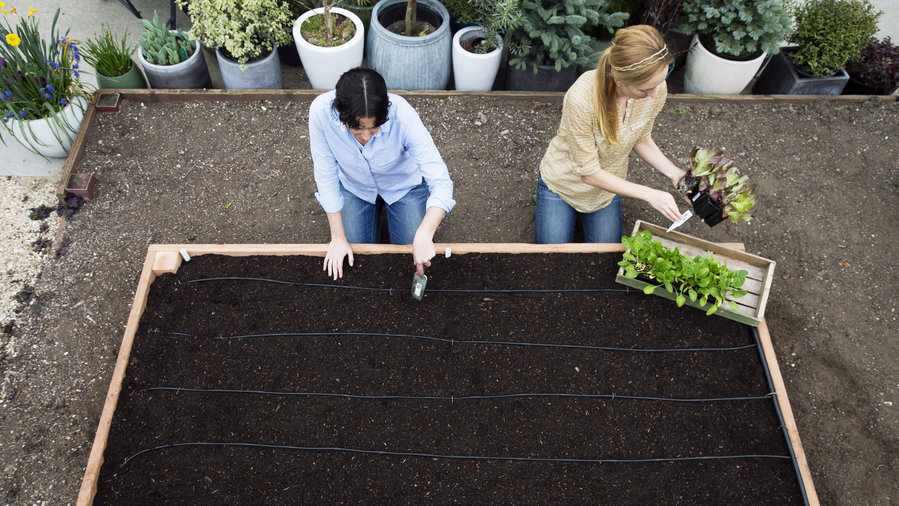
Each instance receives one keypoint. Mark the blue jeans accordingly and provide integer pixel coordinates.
(361, 219)
(554, 219)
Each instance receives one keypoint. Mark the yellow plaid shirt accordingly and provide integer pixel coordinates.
(578, 149)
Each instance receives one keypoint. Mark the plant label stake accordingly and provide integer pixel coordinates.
(418, 285)
(684, 217)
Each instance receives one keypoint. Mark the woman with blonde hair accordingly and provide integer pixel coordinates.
(607, 113)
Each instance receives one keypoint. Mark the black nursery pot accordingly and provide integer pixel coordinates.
(706, 208)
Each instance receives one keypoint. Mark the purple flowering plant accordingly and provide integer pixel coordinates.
(38, 76)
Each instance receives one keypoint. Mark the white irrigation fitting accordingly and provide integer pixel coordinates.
(448, 252)
(184, 255)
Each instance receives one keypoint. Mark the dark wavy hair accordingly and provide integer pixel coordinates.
(361, 93)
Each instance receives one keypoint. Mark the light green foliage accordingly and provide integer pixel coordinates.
(830, 33)
(244, 29)
(109, 57)
(552, 33)
(739, 28)
(724, 183)
(163, 47)
(703, 279)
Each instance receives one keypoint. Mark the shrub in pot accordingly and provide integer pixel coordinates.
(477, 50)
(409, 44)
(245, 36)
(731, 38)
(170, 58)
(716, 188)
(329, 41)
(876, 71)
(549, 44)
(828, 34)
(111, 59)
(664, 16)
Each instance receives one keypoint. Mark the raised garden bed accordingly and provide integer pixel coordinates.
(751, 307)
(512, 328)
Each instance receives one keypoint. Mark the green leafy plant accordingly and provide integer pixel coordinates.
(552, 33)
(245, 31)
(109, 56)
(495, 17)
(163, 47)
(738, 29)
(831, 32)
(878, 65)
(703, 279)
(38, 76)
(718, 176)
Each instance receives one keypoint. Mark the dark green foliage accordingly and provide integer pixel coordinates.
(831, 32)
(552, 33)
(738, 28)
(878, 65)
(703, 279)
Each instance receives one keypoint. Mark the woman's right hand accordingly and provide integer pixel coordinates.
(664, 203)
(337, 249)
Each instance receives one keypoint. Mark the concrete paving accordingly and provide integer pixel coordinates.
(83, 18)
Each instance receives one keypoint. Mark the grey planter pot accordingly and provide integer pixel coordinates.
(189, 74)
(264, 74)
(781, 77)
(129, 80)
(410, 63)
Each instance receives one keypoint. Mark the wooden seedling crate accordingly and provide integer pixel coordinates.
(750, 307)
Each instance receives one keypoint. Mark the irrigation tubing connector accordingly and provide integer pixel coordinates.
(430, 290)
(451, 456)
(475, 341)
(453, 397)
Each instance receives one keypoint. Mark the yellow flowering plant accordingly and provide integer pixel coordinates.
(38, 77)
(244, 30)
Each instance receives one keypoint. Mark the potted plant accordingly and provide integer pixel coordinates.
(330, 41)
(245, 36)
(550, 42)
(704, 281)
(716, 188)
(409, 44)
(43, 99)
(731, 38)
(170, 58)
(828, 34)
(665, 15)
(876, 71)
(111, 59)
(478, 49)
(361, 8)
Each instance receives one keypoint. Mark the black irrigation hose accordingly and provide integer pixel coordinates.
(445, 456)
(430, 290)
(451, 398)
(471, 341)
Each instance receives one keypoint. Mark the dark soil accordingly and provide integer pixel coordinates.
(189, 339)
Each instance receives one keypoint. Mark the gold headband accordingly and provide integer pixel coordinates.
(661, 53)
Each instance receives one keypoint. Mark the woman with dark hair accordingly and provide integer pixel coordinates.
(606, 114)
(371, 151)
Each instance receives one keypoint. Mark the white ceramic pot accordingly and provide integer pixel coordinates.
(262, 74)
(325, 65)
(706, 73)
(472, 71)
(52, 136)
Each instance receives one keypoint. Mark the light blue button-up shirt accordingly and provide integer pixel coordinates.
(391, 163)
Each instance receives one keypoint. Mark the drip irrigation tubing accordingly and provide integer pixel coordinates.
(472, 341)
(452, 398)
(430, 290)
(450, 456)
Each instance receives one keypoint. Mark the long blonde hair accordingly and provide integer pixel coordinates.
(636, 55)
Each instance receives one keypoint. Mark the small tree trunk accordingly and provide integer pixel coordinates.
(410, 16)
(329, 21)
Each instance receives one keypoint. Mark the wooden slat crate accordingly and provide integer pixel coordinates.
(750, 307)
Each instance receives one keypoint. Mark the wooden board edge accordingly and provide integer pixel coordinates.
(77, 150)
(440, 248)
(786, 412)
(95, 460)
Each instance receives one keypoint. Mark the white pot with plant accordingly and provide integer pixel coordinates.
(245, 36)
(478, 50)
(330, 41)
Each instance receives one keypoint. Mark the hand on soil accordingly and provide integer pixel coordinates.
(334, 258)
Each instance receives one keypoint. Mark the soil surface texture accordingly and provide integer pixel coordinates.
(474, 370)
(240, 172)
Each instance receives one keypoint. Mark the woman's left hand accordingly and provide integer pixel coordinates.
(422, 253)
(664, 203)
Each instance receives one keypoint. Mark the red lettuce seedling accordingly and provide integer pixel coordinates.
(723, 182)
